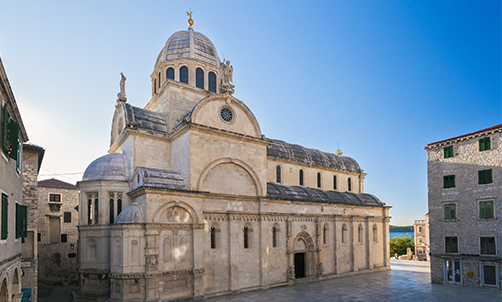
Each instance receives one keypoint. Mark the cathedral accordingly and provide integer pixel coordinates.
(193, 201)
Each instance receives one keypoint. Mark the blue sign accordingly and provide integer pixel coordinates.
(26, 294)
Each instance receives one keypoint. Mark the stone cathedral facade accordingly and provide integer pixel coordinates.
(193, 201)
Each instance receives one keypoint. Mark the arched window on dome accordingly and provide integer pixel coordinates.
(199, 78)
(160, 80)
(246, 237)
(301, 177)
(96, 211)
(184, 74)
(318, 179)
(170, 73)
(334, 182)
(112, 209)
(154, 86)
(349, 183)
(89, 210)
(278, 174)
(212, 81)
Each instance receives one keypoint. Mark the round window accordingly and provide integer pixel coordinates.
(226, 114)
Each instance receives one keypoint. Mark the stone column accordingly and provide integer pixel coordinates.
(352, 243)
(198, 260)
(318, 242)
(336, 220)
(289, 251)
(369, 264)
(385, 241)
(152, 263)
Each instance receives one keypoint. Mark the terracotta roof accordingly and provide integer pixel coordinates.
(468, 134)
(55, 183)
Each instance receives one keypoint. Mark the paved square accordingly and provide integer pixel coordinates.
(407, 281)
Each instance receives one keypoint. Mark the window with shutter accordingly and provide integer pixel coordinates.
(448, 152)
(451, 245)
(5, 215)
(10, 129)
(488, 245)
(449, 181)
(485, 177)
(450, 211)
(484, 144)
(21, 220)
(486, 209)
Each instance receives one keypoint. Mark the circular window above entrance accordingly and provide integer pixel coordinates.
(226, 114)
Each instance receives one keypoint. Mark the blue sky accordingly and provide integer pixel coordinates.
(380, 78)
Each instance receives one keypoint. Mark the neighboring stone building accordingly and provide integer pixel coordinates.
(57, 231)
(421, 235)
(32, 160)
(193, 201)
(465, 191)
(13, 214)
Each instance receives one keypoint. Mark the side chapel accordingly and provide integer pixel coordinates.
(192, 201)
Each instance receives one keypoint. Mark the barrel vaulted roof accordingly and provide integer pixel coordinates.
(297, 193)
(143, 119)
(297, 153)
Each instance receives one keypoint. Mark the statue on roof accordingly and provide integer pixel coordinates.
(226, 77)
(122, 95)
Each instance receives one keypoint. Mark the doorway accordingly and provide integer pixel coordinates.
(299, 265)
(453, 271)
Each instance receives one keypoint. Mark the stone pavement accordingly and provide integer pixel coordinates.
(407, 281)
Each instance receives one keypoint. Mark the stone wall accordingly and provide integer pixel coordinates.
(30, 199)
(467, 226)
(58, 260)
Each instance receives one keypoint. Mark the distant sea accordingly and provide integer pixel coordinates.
(397, 234)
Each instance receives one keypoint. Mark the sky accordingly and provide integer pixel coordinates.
(379, 79)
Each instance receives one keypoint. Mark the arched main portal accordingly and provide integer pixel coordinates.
(303, 255)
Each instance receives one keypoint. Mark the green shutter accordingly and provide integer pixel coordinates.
(5, 216)
(13, 141)
(481, 177)
(447, 212)
(484, 144)
(21, 220)
(489, 209)
(482, 209)
(18, 159)
(448, 152)
(488, 176)
(487, 144)
(5, 126)
(453, 209)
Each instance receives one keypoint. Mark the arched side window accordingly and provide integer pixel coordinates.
(213, 237)
(119, 206)
(349, 183)
(160, 80)
(344, 233)
(278, 174)
(96, 211)
(89, 211)
(375, 233)
(318, 179)
(420, 229)
(301, 177)
(212, 81)
(184, 74)
(112, 210)
(334, 182)
(360, 233)
(170, 73)
(154, 86)
(246, 237)
(199, 78)
(325, 234)
(274, 237)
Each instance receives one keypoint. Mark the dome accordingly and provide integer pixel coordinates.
(108, 167)
(189, 44)
(131, 214)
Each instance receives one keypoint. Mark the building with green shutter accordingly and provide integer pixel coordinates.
(465, 196)
(13, 214)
